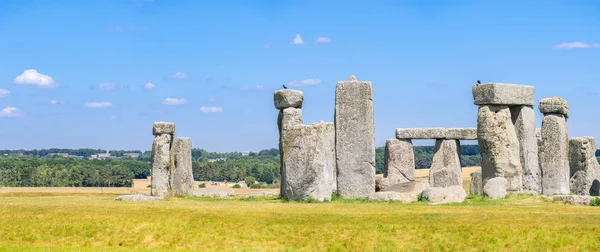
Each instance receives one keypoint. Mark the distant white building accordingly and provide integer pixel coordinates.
(101, 156)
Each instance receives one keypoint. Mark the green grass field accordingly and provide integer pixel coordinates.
(50, 222)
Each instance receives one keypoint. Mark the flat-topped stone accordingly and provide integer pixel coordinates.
(287, 98)
(554, 105)
(503, 94)
(160, 128)
(437, 133)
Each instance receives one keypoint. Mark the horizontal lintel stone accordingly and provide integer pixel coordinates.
(503, 94)
(437, 133)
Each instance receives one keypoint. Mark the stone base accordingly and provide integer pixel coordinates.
(443, 195)
(138, 197)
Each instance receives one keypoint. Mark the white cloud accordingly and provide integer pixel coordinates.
(4, 93)
(149, 85)
(53, 102)
(307, 82)
(11, 112)
(323, 40)
(207, 109)
(174, 101)
(573, 45)
(33, 77)
(108, 86)
(297, 40)
(98, 105)
(178, 75)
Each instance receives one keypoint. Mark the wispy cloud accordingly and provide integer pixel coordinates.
(33, 77)
(98, 105)
(109, 86)
(174, 101)
(576, 45)
(322, 40)
(11, 112)
(113, 117)
(209, 109)
(4, 93)
(307, 82)
(53, 102)
(297, 40)
(149, 85)
(178, 75)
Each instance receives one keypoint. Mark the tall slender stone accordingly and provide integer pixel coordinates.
(523, 118)
(554, 150)
(355, 138)
(289, 102)
(445, 168)
(399, 163)
(585, 177)
(161, 157)
(182, 178)
(476, 187)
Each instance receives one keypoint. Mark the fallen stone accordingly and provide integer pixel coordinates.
(437, 133)
(138, 197)
(503, 94)
(355, 138)
(443, 195)
(445, 168)
(393, 196)
(495, 188)
(309, 162)
(554, 105)
(584, 167)
(554, 155)
(287, 98)
(263, 194)
(160, 128)
(161, 165)
(523, 118)
(399, 163)
(499, 146)
(412, 188)
(212, 192)
(182, 178)
(476, 187)
(575, 199)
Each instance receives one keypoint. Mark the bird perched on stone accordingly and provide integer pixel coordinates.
(284, 87)
(478, 82)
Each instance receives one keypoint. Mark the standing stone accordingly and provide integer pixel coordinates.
(289, 117)
(554, 151)
(289, 102)
(445, 168)
(399, 163)
(355, 138)
(182, 178)
(476, 187)
(309, 162)
(523, 118)
(584, 166)
(161, 157)
(499, 146)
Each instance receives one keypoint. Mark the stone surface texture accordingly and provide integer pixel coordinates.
(554, 155)
(575, 199)
(523, 118)
(443, 195)
(503, 94)
(138, 197)
(289, 117)
(212, 192)
(309, 162)
(160, 128)
(399, 163)
(355, 138)
(584, 166)
(404, 192)
(476, 187)
(437, 133)
(499, 146)
(161, 165)
(287, 98)
(495, 188)
(182, 178)
(393, 196)
(445, 168)
(554, 105)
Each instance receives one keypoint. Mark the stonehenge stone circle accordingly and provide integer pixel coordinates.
(523, 118)
(161, 158)
(476, 187)
(584, 166)
(445, 168)
(354, 138)
(182, 178)
(399, 163)
(554, 150)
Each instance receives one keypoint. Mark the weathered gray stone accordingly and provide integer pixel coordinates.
(393, 196)
(138, 197)
(443, 195)
(503, 94)
(499, 146)
(476, 187)
(160, 128)
(445, 168)
(523, 118)
(287, 98)
(182, 178)
(399, 163)
(161, 165)
(212, 192)
(554, 155)
(437, 133)
(309, 162)
(355, 138)
(584, 166)
(554, 105)
(538, 136)
(406, 192)
(575, 199)
(495, 188)
(287, 118)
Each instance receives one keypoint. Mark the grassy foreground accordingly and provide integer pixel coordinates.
(96, 222)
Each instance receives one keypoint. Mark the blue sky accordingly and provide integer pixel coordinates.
(75, 74)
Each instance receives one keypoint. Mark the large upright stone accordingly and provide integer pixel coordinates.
(309, 162)
(161, 165)
(554, 155)
(445, 168)
(182, 178)
(503, 94)
(523, 118)
(287, 98)
(476, 187)
(399, 163)
(499, 146)
(584, 166)
(289, 117)
(355, 138)
(289, 103)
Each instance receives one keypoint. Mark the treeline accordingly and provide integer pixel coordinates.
(469, 156)
(263, 168)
